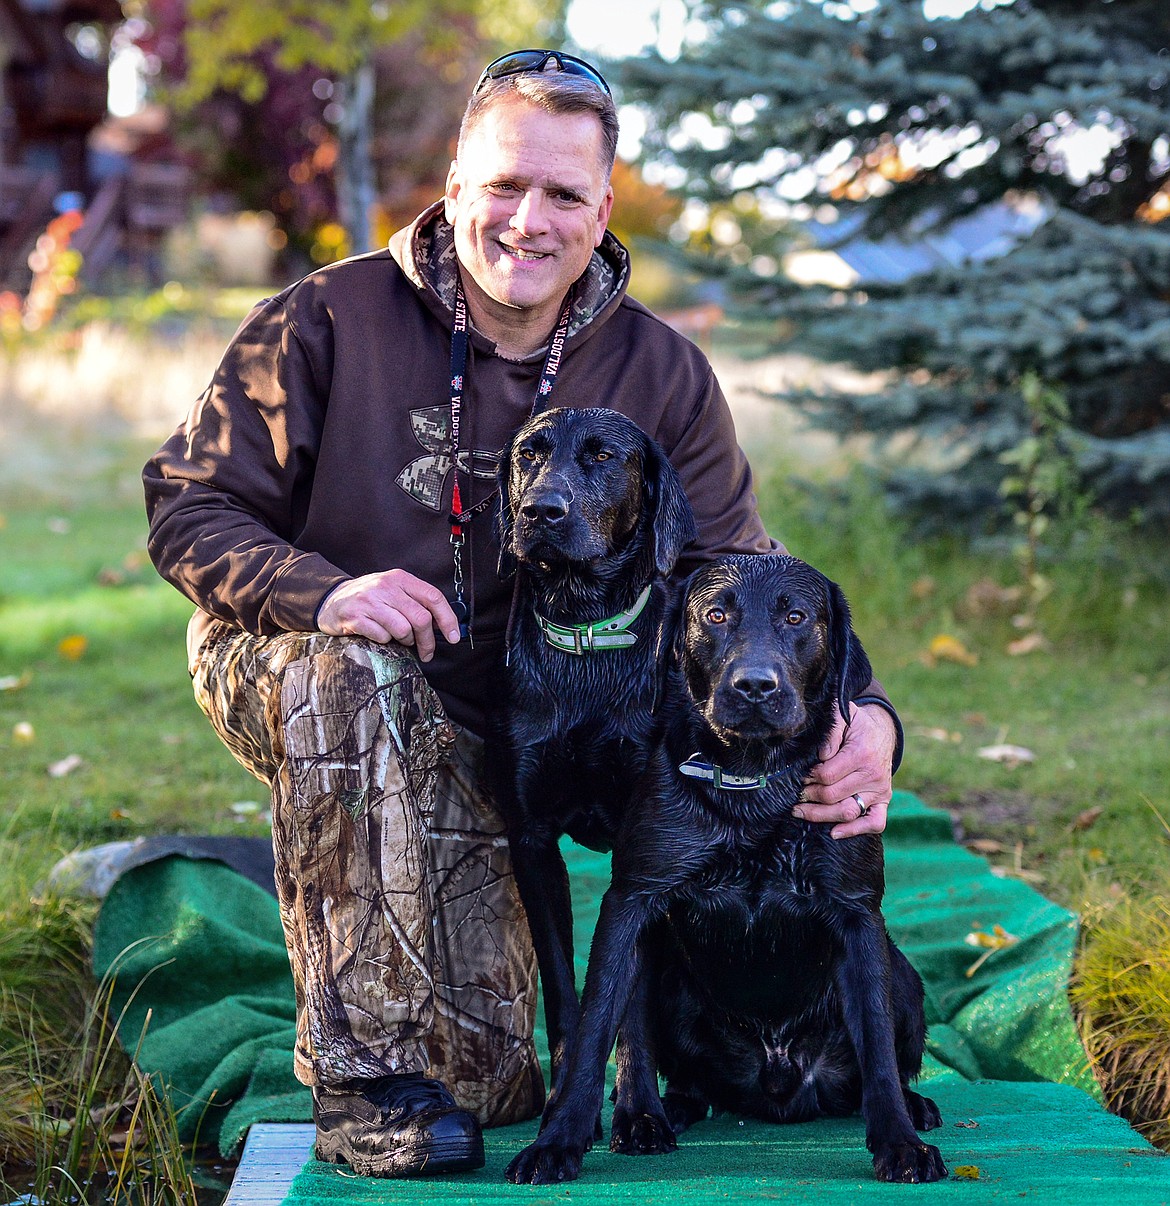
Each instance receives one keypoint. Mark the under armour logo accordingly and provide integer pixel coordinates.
(424, 478)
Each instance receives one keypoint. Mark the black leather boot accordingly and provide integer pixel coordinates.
(397, 1126)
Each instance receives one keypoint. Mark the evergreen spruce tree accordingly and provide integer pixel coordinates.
(905, 122)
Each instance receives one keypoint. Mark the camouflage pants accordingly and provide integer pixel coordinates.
(408, 943)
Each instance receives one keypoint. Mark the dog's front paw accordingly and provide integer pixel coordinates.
(923, 1112)
(545, 1163)
(682, 1111)
(637, 1133)
(908, 1163)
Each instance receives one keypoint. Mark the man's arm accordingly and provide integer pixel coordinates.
(226, 492)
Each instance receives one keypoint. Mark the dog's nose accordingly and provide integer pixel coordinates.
(549, 507)
(756, 682)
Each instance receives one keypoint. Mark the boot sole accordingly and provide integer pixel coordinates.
(462, 1155)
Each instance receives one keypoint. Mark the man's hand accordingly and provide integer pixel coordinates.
(391, 606)
(855, 762)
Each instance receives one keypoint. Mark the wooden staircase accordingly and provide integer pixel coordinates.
(26, 208)
(128, 215)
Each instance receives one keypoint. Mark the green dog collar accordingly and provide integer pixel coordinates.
(601, 634)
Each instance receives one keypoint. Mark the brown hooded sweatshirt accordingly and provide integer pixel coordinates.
(321, 449)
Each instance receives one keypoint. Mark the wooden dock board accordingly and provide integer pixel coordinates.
(273, 1155)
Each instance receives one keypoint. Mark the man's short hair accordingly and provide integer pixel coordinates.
(554, 92)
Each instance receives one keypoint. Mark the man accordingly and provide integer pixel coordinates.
(327, 507)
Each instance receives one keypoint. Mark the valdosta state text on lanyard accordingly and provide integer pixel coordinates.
(459, 518)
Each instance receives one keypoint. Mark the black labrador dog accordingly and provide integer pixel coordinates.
(592, 520)
(774, 988)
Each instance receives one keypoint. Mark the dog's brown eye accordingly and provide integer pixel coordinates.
(794, 617)
(527, 454)
(717, 615)
(602, 456)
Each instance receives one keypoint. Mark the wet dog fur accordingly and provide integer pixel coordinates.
(591, 513)
(752, 944)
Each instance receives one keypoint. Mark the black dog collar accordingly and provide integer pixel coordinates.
(711, 772)
(601, 634)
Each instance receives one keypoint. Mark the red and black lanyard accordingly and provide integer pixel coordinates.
(459, 518)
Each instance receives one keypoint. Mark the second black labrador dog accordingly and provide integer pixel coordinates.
(592, 520)
(775, 990)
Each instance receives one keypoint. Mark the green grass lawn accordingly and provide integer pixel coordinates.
(73, 565)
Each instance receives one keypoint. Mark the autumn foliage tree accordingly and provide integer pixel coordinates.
(321, 109)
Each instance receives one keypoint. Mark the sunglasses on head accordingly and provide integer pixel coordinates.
(524, 62)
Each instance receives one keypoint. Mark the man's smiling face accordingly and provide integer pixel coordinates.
(529, 199)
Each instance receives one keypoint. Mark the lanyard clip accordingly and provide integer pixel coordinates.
(458, 605)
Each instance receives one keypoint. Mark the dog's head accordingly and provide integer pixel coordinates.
(766, 647)
(579, 486)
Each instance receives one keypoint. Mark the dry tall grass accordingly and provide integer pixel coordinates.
(146, 380)
(105, 379)
(1121, 992)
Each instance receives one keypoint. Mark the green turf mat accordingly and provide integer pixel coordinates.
(1025, 1142)
(201, 947)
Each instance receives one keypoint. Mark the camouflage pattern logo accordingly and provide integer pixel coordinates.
(424, 478)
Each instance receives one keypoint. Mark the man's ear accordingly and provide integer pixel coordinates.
(451, 191)
(505, 519)
(603, 213)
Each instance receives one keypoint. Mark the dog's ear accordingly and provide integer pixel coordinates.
(851, 670)
(671, 519)
(505, 519)
(672, 638)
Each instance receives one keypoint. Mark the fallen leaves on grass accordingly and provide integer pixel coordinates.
(23, 733)
(1086, 820)
(66, 766)
(967, 1172)
(72, 648)
(985, 846)
(16, 682)
(1010, 755)
(986, 597)
(997, 939)
(936, 734)
(1029, 877)
(946, 648)
(1018, 870)
(1034, 642)
(132, 564)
